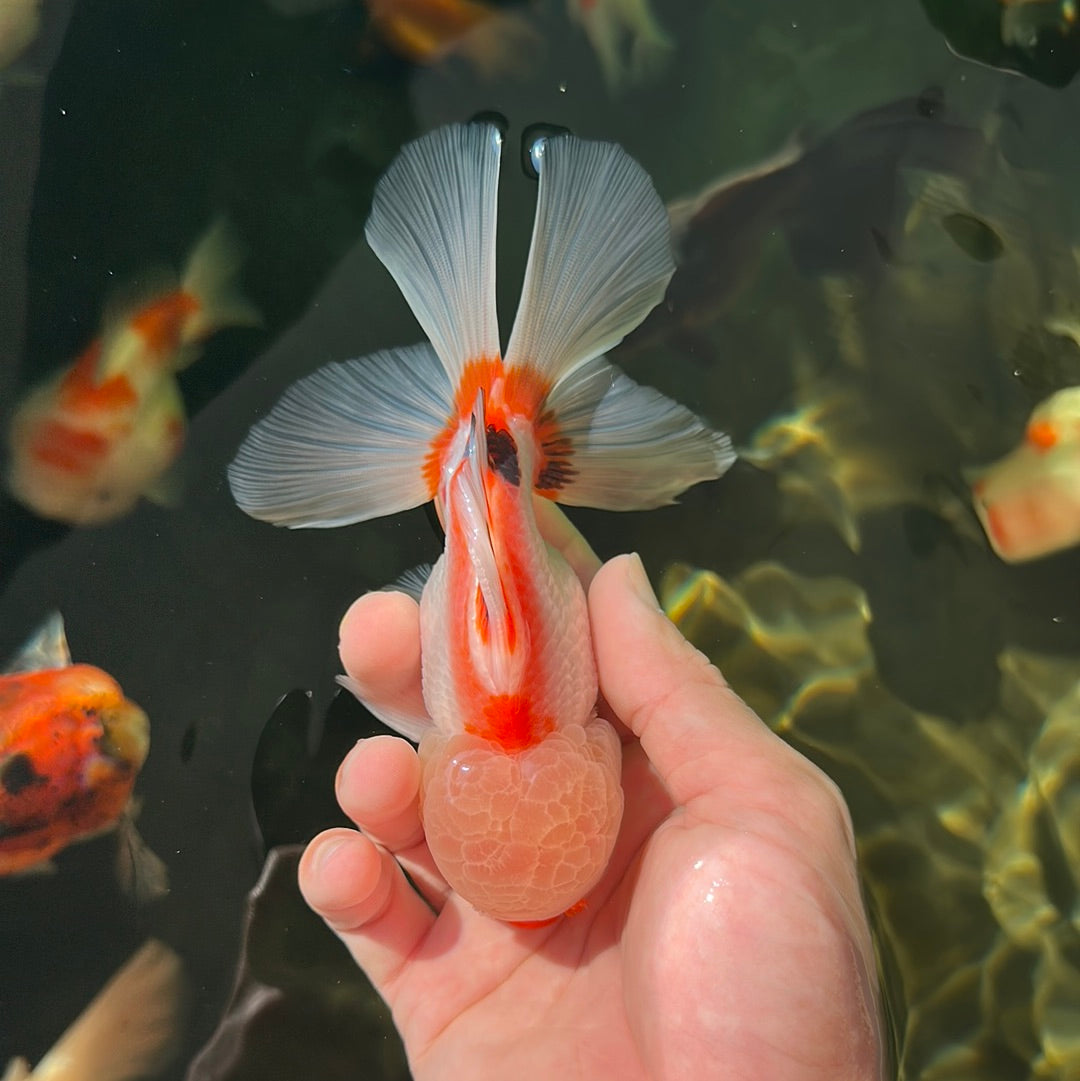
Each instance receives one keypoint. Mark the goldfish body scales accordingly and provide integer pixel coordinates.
(520, 793)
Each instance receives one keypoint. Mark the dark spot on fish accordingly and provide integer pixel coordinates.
(187, 743)
(18, 773)
(930, 102)
(502, 454)
(973, 236)
(529, 138)
(556, 472)
(491, 116)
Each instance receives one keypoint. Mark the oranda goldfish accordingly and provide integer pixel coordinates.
(87, 443)
(128, 1031)
(521, 797)
(1029, 501)
(71, 746)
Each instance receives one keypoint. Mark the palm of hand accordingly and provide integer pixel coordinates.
(727, 938)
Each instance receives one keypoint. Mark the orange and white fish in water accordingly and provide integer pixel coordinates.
(86, 444)
(128, 1031)
(520, 796)
(629, 43)
(71, 747)
(1029, 501)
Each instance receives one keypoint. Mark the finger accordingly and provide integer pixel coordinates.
(379, 645)
(378, 787)
(363, 896)
(697, 732)
(558, 531)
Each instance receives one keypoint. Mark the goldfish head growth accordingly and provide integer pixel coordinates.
(71, 746)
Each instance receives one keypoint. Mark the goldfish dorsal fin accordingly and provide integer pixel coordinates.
(600, 258)
(347, 443)
(433, 226)
(44, 650)
(631, 448)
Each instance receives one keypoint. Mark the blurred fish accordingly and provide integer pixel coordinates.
(493, 40)
(834, 201)
(1029, 501)
(85, 445)
(128, 1031)
(1023, 21)
(628, 41)
(20, 21)
(71, 746)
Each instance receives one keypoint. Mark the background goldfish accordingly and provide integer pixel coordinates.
(71, 746)
(85, 445)
(520, 794)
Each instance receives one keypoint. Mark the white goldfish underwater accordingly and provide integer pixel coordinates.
(1029, 501)
(520, 797)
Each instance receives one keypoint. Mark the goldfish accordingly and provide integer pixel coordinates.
(85, 445)
(521, 798)
(1029, 501)
(128, 1031)
(628, 41)
(71, 747)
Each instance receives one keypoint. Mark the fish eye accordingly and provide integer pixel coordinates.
(532, 146)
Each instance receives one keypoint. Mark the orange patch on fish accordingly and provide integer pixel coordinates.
(1042, 435)
(80, 389)
(508, 720)
(161, 322)
(72, 450)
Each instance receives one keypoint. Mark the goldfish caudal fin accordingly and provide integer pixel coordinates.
(210, 277)
(433, 226)
(130, 1028)
(348, 443)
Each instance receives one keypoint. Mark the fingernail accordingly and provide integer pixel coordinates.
(638, 581)
(325, 853)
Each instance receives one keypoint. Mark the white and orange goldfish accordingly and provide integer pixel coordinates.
(128, 1031)
(86, 444)
(1029, 501)
(520, 797)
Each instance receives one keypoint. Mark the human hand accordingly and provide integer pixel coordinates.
(726, 939)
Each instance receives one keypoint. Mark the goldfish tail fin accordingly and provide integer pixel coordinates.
(210, 277)
(600, 258)
(130, 1028)
(626, 447)
(433, 226)
(350, 442)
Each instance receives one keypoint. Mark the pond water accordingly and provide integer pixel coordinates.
(872, 313)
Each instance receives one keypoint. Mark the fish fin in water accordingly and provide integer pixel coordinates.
(18, 1069)
(46, 649)
(410, 725)
(348, 443)
(432, 224)
(210, 276)
(600, 257)
(141, 873)
(130, 1028)
(412, 582)
(631, 448)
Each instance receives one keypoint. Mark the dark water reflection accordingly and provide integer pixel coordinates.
(156, 115)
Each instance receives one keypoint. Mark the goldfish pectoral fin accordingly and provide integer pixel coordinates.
(600, 258)
(633, 448)
(412, 582)
(433, 226)
(18, 1069)
(211, 276)
(347, 443)
(410, 725)
(141, 873)
(129, 1029)
(45, 649)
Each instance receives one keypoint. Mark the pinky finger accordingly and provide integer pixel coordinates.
(364, 897)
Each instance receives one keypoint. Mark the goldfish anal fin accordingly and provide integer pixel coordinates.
(600, 258)
(433, 226)
(616, 445)
(347, 443)
(410, 725)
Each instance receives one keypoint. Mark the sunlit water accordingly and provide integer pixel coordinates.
(883, 637)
